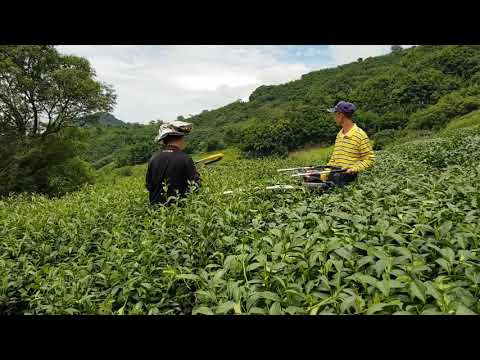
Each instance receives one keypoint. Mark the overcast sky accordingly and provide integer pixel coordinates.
(162, 82)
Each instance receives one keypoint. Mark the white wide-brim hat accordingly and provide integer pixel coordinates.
(176, 128)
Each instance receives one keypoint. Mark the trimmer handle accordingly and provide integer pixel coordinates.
(333, 169)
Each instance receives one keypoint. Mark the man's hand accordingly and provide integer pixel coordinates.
(349, 171)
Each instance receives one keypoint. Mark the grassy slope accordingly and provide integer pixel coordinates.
(315, 156)
(465, 121)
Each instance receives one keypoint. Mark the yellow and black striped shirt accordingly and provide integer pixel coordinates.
(352, 150)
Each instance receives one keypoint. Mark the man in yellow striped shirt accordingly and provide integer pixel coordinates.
(352, 147)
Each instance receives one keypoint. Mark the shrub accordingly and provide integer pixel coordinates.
(125, 171)
(450, 106)
(408, 135)
(469, 120)
(453, 148)
(368, 121)
(215, 144)
(48, 166)
(69, 176)
(383, 138)
(135, 154)
(103, 161)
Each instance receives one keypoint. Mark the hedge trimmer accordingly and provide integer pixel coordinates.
(310, 176)
(210, 159)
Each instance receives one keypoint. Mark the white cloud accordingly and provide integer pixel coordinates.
(213, 82)
(344, 54)
(166, 81)
(162, 82)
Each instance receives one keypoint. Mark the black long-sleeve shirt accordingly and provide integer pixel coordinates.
(171, 167)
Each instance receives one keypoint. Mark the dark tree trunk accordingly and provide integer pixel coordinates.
(35, 119)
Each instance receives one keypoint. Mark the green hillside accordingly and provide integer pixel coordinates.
(416, 88)
(100, 119)
(405, 94)
(129, 144)
(471, 119)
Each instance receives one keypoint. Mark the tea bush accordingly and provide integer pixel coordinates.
(453, 147)
(471, 119)
(404, 239)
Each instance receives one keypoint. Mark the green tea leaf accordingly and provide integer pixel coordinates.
(445, 228)
(364, 260)
(448, 254)
(314, 309)
(202, 310)
(205, 295)
(294, 310)
(188, 277)
(402, 313)
(404, 251)
(346, 254)
(347, 303)
(253, 266)
(225, 307)
(365, 279)
(417, 290)
(237, 308)
(257, 310)
(384, 287)
(379, 267)
(275, 309)
(432, 312)
(267, 295)
(276, 232)
(375, 308)
(341, 215)
(463, 310)
(444, 264)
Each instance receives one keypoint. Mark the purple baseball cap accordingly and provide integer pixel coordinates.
(343, 107)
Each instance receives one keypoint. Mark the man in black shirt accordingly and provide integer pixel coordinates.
(171, 169)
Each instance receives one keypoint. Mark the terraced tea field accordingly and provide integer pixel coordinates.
(405, 239)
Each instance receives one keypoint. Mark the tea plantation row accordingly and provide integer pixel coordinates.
(405, 239)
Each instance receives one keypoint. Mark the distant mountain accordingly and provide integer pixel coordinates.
(408, 91)
(419, 88)
(100, 119)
